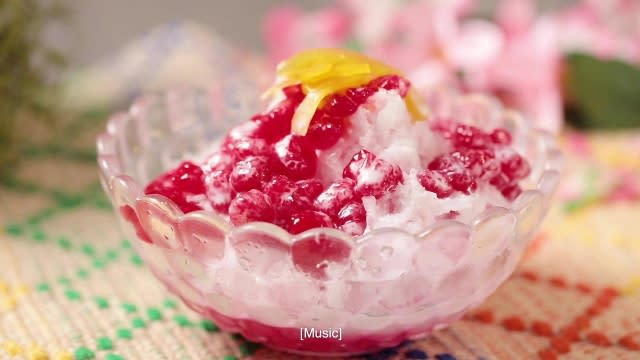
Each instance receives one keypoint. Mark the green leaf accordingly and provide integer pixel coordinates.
(27, 88)
(605, 94)
(54, 57)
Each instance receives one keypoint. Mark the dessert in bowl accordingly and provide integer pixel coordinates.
(352, 202)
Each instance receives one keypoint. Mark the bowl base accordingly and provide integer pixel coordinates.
(289, 340)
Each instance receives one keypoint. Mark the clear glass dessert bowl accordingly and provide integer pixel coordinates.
(367, 292)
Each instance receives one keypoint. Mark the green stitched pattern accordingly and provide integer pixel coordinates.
(182, 320)
(208, 325)
(88, 249)
(102, 302)
(170, 304)
(64, 243)
(136, 260)
(104, 343)
(111, 255)
(38, 235)
(124, 333)
(83, 273)
(73, 295)
(138, 323)
(83, 353)
(130, 308)
(248, 348)
(98, 264)
(14, 229)
(154, 314)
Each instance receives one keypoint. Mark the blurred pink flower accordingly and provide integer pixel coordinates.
(579, 144)
(515, 16)
(627, 188)
(526, 74)
(407, 33)
(606, 28)
(438, 46)
(517, 59)
(288, 30)
(460, 57)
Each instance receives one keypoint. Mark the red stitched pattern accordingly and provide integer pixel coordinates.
(560, 342)
(542, 328)
(571, 333)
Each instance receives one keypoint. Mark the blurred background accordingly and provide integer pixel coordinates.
(67, 64)
(98, 27)
(75, 62)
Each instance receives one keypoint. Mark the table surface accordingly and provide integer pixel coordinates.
(71, 287)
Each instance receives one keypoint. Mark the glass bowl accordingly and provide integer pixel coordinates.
(374, 291)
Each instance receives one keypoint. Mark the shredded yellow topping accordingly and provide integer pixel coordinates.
(323, 72)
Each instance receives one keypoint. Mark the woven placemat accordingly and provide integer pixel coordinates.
(71, 287)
